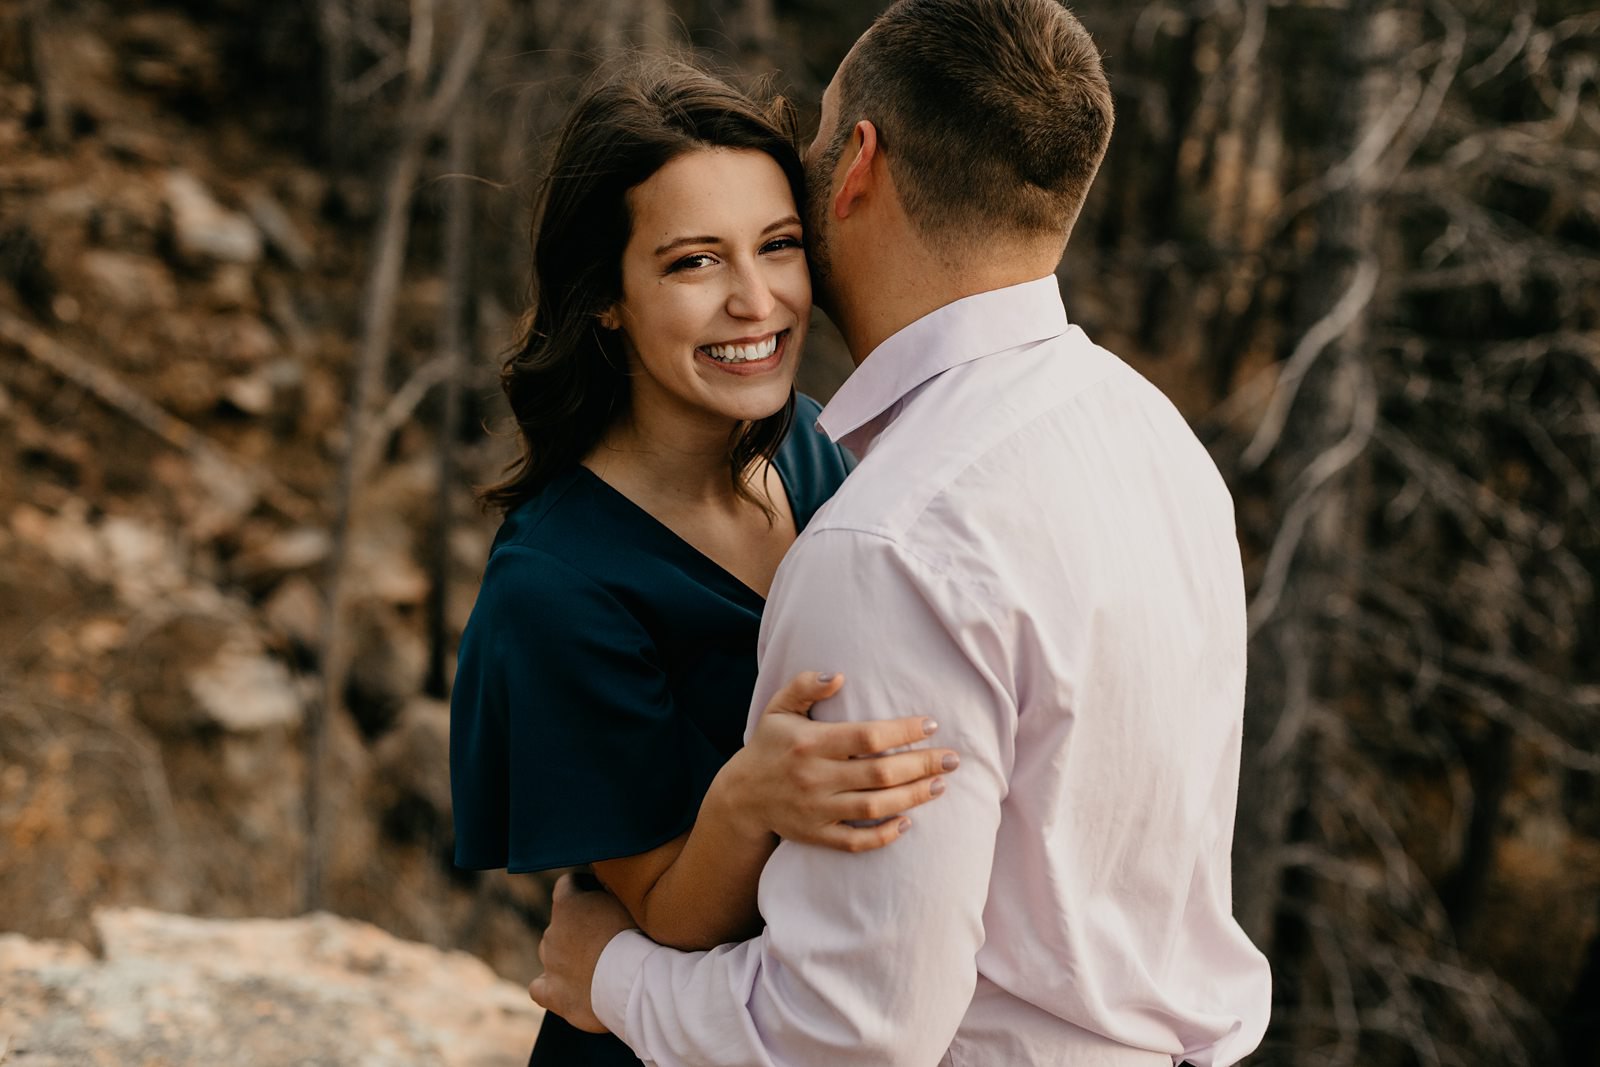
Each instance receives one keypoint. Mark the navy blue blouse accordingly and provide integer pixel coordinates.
(603, 679)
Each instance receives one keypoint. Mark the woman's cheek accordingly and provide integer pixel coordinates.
(797, 284)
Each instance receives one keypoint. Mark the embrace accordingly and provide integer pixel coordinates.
(976, 805)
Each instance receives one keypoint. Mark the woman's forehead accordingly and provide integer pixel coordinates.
(710, 191)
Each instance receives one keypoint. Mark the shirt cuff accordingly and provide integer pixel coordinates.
(615, 971)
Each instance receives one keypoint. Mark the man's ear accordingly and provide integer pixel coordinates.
(859, 179)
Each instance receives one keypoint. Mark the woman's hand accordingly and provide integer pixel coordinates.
(830, 783)
(818, 782)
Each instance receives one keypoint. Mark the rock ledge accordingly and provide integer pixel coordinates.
(175, 991)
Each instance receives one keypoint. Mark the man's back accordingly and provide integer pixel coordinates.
(1091, 540)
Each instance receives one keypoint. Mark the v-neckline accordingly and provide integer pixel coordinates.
(683, 542)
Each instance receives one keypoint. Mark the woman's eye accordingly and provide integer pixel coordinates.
(780, 244)
(699, 259)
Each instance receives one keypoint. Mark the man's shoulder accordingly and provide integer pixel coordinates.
(966, 416)
(1044, 435)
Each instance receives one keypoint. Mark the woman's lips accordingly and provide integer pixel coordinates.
(749, 367)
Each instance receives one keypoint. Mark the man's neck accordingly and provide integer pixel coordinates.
(890, 298)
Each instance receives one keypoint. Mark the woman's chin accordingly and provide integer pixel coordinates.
(762, 404)
(749, 398)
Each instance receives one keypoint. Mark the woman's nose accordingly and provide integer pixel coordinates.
(751, 297)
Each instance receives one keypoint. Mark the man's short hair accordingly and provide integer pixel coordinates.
(994, 114)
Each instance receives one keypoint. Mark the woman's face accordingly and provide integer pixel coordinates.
(715, 292)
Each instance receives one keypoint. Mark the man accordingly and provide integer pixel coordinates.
(1036, 551)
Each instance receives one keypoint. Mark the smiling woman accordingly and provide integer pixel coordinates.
(604, 679)
(712, 315)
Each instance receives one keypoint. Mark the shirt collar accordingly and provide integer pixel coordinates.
(960, 332)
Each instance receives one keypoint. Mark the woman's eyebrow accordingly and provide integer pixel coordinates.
(670, 245)
(706, 239)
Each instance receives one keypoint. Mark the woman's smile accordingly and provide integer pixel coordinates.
(748, 355)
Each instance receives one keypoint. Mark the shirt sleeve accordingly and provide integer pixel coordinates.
(866, 958)
(565, 745)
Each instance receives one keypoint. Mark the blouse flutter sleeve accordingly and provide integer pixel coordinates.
(565, 747)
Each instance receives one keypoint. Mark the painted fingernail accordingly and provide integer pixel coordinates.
(936, 787)
(824, 679)
(950, 762)
(929, 726)
(905, 824)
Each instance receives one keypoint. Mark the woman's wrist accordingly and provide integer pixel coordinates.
(732, 801)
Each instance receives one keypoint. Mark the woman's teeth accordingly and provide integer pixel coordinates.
(742, 353)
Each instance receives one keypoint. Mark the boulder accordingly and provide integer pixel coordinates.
(293, 613)
(383, 553)
(282, 236)
(159, 661)
(146, 562)
(251, 394)
(218, 497)
(127, 282)
(242, 689)
(203, 231)
(67, 537)
(269, 553)
(187, 992)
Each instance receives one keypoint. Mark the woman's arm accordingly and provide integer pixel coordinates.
(796, 779)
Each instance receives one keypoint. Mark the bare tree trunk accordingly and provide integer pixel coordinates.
(1317, 547)
(53, 101)
(333, 35)
(426, 114)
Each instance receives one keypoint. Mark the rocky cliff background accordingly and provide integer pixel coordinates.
(258, 261)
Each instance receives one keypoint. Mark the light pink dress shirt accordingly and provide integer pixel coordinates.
(1036, 551)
